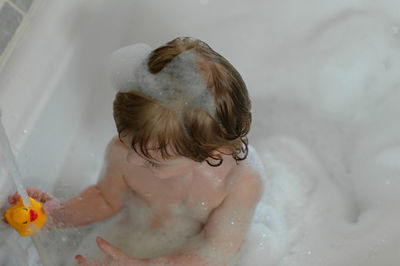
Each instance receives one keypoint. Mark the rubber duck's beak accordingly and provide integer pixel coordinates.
(33, 215)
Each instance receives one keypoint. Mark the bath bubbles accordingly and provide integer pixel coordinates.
(204, 206)
(132, 231)
(178, 86)
(123, 63)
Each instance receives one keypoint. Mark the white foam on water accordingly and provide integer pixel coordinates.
(324, 82)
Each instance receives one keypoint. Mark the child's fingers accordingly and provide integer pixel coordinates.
(39, 194)
(33, 192)
(80, 260)
(109, 249)
(88, 261)
(12, 199)
(36, 193)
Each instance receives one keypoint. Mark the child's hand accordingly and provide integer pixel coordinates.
(51, 205)
(115, 257)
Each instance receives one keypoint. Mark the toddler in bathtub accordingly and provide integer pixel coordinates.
(182, 113)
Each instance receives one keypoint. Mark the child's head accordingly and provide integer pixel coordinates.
(189, 122)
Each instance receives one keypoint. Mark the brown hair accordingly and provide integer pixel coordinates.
(198, 134)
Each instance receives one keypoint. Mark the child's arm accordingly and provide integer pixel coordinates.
(93, 204)
(227, 226)
(100, 201)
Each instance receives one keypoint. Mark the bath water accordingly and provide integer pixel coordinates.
(15, 174)
(11, 163)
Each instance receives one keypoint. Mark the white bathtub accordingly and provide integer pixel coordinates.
(324, 80)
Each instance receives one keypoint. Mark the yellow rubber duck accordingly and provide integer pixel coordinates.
(26, 220)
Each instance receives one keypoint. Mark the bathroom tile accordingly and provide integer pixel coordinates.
(23, 4)
(9, 22)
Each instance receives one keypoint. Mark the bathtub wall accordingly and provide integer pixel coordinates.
(14, 17)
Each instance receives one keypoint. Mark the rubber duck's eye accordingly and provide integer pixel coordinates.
(25, 209)
(25, 222)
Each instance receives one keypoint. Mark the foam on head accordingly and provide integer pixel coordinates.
(123, 65)
(179, 85)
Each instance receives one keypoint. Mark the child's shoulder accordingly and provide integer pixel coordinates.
(245, 186)
(253, 163)
(249, 176)
(115, 150)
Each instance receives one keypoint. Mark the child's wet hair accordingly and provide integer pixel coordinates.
(196, 133)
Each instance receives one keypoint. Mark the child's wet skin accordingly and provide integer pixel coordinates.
(178, 182)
